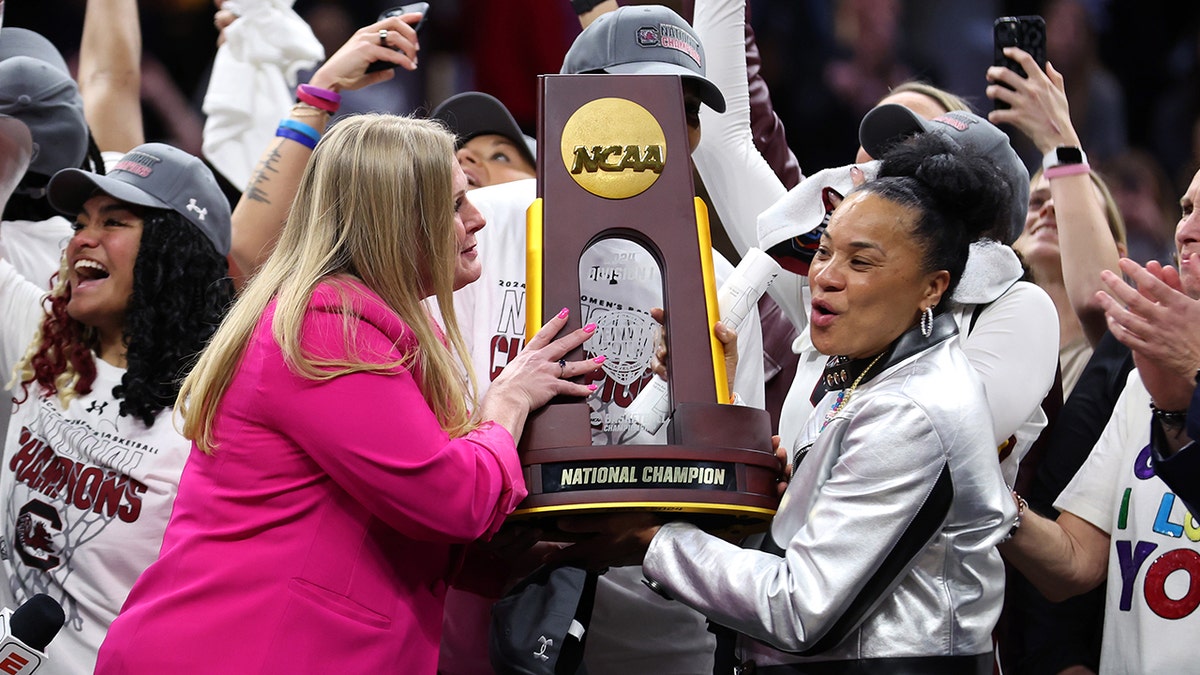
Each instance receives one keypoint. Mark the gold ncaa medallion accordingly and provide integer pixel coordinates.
(613, 148)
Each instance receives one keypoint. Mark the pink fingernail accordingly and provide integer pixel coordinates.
(600, 359)
(562, 313)
(590, 328)
(592, 387)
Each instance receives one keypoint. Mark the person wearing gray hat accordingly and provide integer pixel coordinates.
(158, 176)
(644, 40)
(885, 125)
(47, 101)
(37, 90)
(648, 40)
(143, 285)
(491, 147)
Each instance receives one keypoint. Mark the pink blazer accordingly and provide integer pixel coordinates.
(322, 533)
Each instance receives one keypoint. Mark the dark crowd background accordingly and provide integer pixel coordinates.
(1132, 68)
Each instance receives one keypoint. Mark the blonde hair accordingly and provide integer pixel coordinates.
(374, 203)
(948, 101)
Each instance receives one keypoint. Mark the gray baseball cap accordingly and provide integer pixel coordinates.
(16, 147)
(643, 40)
(22, 42)
(888, 124)
(47, 101)
(155, 175)
(474, 113)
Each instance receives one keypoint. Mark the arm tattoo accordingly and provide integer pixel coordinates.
(261, 176)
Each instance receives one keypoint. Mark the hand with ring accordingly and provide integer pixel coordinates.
(540, 372)
(392, 40)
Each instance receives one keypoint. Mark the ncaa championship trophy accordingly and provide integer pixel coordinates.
(615, 187)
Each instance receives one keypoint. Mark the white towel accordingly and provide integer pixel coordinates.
(803, 208)
(252, 83)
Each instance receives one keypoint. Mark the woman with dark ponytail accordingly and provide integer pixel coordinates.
(882, 557)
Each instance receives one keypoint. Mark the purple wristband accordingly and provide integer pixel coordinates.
(323, 94)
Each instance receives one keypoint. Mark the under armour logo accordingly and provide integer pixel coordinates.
(97, 406)
(192, 206)
(546, 643)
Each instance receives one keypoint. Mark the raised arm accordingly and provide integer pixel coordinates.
(739, 180)
(110, 54)
(262, 210)
(1039, 109)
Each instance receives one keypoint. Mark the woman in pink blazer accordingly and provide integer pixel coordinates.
(339, 465)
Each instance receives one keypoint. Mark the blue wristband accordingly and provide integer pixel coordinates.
(300, 138)
(301, 127)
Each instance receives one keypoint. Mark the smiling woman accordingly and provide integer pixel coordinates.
(95, 459)
(882, 555)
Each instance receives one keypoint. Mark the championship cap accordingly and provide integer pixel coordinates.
(643, 40)
(154, 175)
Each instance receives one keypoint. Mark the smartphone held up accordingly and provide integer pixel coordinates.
(1027, 33)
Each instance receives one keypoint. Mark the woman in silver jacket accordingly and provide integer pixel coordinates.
(886, 558)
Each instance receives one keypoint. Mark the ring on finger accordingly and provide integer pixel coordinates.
(562, 368)
(383, 35)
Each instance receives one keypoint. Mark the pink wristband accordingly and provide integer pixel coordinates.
(1067, 170)
(318, 103)
(323, 94)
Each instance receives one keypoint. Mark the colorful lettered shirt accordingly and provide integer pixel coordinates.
(1150, 620)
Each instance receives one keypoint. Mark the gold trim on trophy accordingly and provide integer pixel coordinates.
(534, 236)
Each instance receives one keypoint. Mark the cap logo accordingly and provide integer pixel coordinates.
(954, 121)
(647, 36)
(613, 148)
(137, 163)
(200, 212)
(674, 37)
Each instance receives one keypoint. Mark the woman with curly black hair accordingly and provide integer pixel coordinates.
(92, 460)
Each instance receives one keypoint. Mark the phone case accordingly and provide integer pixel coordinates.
(422, 7)
(1025, 32)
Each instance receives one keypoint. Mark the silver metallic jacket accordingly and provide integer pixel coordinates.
(890, 526)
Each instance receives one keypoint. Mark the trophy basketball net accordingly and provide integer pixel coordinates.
(617, 230)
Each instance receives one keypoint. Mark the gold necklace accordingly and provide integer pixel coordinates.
(843, 397)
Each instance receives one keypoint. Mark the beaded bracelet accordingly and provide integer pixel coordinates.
(284, 132)
(1066, 170)
(1022, 505)
(323, 94)
(300, 127)
(316, 102)
(1172, 419)
(302, 109)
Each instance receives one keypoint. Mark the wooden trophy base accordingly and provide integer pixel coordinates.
(717, 475)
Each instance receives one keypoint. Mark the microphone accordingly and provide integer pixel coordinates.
(24, 634)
